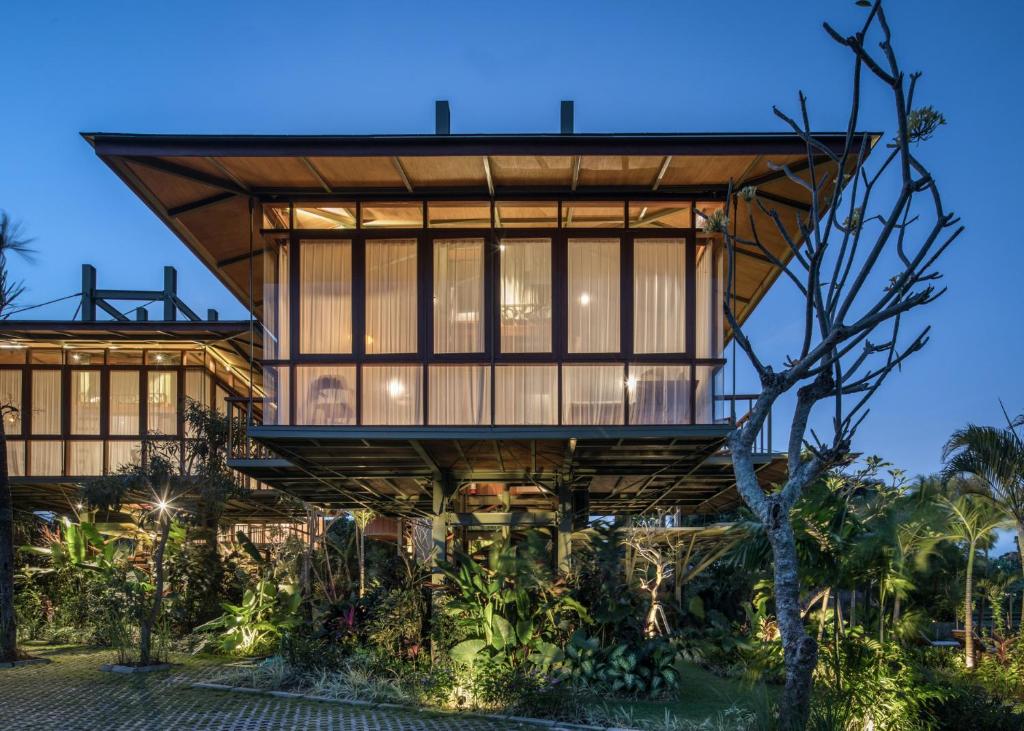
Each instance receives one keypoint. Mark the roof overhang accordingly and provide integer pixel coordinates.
(201, 186)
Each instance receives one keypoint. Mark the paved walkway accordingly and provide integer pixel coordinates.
(71, 694)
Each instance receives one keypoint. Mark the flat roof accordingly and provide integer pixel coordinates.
(201, 185)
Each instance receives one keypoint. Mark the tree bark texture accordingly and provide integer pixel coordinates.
(150, 619)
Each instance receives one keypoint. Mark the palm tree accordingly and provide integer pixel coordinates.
(11, 241)
(972, 519)
(996, 457)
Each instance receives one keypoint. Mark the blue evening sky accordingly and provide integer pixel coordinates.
(376, 67)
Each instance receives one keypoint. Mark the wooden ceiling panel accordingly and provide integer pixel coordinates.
(270, 172)
(701, 169)
(537, 170)
(169, 189)
(359, 172)
(445, 172)
(614, 170)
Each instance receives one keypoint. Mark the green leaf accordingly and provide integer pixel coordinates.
(466, 652)
(696, 607)
(502, 632)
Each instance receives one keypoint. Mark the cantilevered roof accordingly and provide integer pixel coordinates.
(201, 185)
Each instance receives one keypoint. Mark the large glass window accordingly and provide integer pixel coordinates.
(460, 395)
(85, 402)
(162, 404)
(124, 402)
(710, 308)
(10, 396)
(659, 394)
(526, 394)
(709, 383)
(393, 395)
(197, 386)
(325, 294)
(593, 394)
(325, 395)
(15, 458)
(659, 296)
(121, 453)
(525, 295)
(85, 458)
(47, 458)
(46, 402)
(277, 398)
(594, 296)
(459, 296)
(275, 303)
(391, 318)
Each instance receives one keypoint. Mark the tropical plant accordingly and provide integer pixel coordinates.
(511, 609)
(12, 241)
(995, 456)
(648, 670)
(256, 626)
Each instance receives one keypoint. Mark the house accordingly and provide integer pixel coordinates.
(490, 331)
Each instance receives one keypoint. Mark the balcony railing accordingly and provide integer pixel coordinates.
(737, 409)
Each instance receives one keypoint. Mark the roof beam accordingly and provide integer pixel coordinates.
(488, 175)
(316, 173)
(230, 175)
(240, 257)
(576, 163)
(401, 173)
(661, 172)
(186, 172)
(201, 203)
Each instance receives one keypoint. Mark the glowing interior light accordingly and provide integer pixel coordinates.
(631, 383)
(501, 247)
(584, 299)
(396, 388)
(79, 506)
(161, 505)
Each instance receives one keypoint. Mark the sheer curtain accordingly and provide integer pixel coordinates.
(15, 458)
(593, 394)
(392, 395)
(46, 402)
(277, 396)
(594, 296)
(124, 402)
(325, 296)
(325, 395)
(85, 402)
(710, 313)
(525, 295)
(526, 394)
(460, 395)
(391, 320)
(47, 458)
(458, 296)
(659, 394)
(659, 296)
(275, 304)
(122, 452)
(85, 458)
(10, 393)
(162, 403)
(197, 386)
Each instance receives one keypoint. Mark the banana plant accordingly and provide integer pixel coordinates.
(267, 611)
(510, 607)
(80, 545)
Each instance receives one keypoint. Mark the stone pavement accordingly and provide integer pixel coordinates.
(71, 694)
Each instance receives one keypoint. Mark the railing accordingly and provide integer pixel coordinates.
(738, 408)
(240, 444)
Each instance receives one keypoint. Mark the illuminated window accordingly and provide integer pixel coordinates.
(325, 293)
(46, 402)
(124, 402)
(391, 312)
(594, 296)
(325, 395)
(459, 296)
(460, 395)
(162, 403)
(659, 296)
(525, 295)
(393, 394)
(526, 394)
(593, 394)
(85, 402)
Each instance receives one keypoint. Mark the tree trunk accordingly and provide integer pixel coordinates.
(8, 630)
(362, 561)
(969, 611)
(800, 650)
(150, 619)
(895, 611)
(853, 606)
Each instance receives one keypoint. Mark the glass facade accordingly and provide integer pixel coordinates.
(479, 313)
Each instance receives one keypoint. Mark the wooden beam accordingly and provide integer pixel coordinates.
(316, 174)
(538, 518)
(661, 172)
(201, 203)
(401, 173)
(489, 176)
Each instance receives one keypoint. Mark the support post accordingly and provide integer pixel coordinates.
(88, 293)
(568, 123)
(439, 529)
(564, 528)
(170, 294)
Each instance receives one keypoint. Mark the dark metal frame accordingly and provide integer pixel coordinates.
(424, 357)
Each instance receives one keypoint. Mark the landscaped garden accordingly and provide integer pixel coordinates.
(890, 564)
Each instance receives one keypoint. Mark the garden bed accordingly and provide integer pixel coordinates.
(131, 668)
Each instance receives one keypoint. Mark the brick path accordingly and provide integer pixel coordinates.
(71, 694)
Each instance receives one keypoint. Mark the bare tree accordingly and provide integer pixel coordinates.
(11, 241)
(657, 551)
(863, 256)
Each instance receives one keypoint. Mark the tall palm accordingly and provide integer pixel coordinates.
(972, 519)
(11, 242)
(995, 456)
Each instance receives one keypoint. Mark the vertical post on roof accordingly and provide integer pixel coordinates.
(88, 293)
(563, 543)
(212, 315)
(141, 314)
(442, 117)
(170, 294)
(568, 115)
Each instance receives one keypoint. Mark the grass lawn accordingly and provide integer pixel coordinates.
(702, 695)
